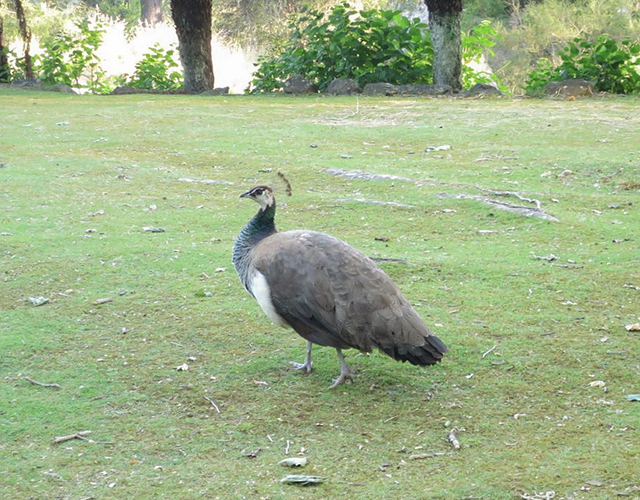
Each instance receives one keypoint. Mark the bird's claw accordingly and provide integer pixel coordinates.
(306, 367)
(342, 379)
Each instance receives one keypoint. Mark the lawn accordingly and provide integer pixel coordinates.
(121, 211)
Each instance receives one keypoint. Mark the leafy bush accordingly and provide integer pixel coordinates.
(611, 65)
(478, 42)
(157, 70)
(368, 46)
(70, 58)
(541, 29)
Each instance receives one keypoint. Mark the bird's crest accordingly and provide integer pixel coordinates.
(282, 180)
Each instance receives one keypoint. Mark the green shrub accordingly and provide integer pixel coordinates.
(157, 70)
(70, 58)
(611, 65)
(477, 43)
(368, 46)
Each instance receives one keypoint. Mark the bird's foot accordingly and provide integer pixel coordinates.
(345, 371)
(342, 379)
(307, 366)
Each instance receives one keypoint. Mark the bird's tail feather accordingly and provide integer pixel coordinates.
(427, 354)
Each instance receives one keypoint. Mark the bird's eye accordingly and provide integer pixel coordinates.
(258, 192)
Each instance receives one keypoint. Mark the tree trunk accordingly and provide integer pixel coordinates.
(446, 38)
(193, 26)
(25, 33)
(150, 12)
(5, 72)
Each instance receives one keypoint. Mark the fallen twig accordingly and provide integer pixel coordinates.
(549, 258)
(520, 210)
(286, 450)
(453, 439)
(77, 435)
(521, 198)
(213, 404)
(375, 202)
(389, 259)
(41, 384)
(422, 456)
(489, 351)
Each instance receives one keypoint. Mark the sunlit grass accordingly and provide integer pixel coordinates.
(83, 176)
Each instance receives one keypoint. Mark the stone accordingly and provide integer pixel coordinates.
(425, 89)
(481, 89)
(216, 91)
(381, 88)
(575, 87)
(126, 90)
(36, 84)
(343, 86)
(29, 83)
(299, 85)
(61, 87)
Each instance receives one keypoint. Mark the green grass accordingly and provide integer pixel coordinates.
(82, 176)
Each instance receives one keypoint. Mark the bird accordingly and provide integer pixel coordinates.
(328, 292)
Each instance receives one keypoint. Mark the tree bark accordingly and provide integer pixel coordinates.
(446, 38)
(25, 33)
(192, 19)
(150, 12)
(5, 72)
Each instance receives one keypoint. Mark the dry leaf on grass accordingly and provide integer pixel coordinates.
(294, 462)
(104, 300)
(38, 301)
(301, 480)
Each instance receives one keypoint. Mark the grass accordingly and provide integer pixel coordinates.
(82, 176)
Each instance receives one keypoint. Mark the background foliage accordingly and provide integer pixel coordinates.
(368, 46)
(70, 58)
(612, 66)
(527, 31)
(157, 70)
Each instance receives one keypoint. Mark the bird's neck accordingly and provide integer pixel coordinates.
(259, 227)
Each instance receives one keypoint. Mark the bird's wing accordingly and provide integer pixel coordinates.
(296, 272)
(334, 295)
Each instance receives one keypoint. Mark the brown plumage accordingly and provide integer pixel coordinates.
(328, 292)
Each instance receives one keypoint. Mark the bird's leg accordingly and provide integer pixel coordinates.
(307, 366)
(345, 371)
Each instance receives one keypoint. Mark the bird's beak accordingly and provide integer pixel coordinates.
(244, 195)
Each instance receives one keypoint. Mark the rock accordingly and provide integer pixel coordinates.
(481, 89)
(29, 83)
(576, 87)
(216, 91)
(61, 87)
(425, 89)
(343, 86)
(299, 85)
(380, 89)
(35, 84)
(126, 90)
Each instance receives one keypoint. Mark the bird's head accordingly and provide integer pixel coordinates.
(262, 195)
